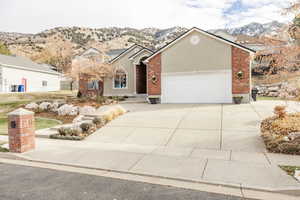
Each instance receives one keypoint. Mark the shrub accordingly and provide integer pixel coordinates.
(280, 111)
(98, 121)
(101, 99)
(85, 127)
(69, 131)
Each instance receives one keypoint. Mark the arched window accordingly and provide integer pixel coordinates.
(120, 79)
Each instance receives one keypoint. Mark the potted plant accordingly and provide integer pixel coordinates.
(237, 99)
(153, 100)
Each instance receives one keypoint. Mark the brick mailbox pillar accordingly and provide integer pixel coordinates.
(21, 131)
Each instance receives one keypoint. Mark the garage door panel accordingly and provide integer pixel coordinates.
(197, 88)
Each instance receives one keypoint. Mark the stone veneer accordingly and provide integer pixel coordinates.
(21, 131)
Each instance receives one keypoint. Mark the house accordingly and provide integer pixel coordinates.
(196, 67)
(88, 54)
(19, 74)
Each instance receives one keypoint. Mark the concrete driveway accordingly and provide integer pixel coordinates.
(217, 144)
(210, 127)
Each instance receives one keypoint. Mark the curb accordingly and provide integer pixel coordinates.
(206, 187)
(287, 190)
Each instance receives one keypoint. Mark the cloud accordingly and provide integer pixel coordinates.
(37, 15)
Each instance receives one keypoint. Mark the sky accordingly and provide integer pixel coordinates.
(32, 16)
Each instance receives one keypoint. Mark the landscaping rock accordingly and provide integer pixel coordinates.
(32, 106)
(297, 175)
(67, 110)
(44, 106)
(54, 106)
(293, 136)
(87, 110)
(79, 118)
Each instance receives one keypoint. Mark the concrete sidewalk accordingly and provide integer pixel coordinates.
(239, 169)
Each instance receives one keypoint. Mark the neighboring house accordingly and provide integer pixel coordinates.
(90, 53)
(197, 67)
(114, 53)
(19, 74)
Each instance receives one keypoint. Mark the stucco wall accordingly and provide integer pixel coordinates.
(126, 64)
(13, 76)
(208, 54)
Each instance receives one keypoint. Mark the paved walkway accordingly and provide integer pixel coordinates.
(203, 143)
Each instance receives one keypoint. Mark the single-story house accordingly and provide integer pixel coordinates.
(20, 74)
(196, 67)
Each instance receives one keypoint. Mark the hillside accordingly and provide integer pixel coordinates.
(80, 38)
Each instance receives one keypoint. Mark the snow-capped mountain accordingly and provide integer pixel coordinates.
(255, 29)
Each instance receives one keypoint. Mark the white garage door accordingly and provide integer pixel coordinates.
(208, 87)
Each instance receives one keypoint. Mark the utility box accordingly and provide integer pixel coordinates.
(21, 130)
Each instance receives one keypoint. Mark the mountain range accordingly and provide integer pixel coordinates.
(81, 38)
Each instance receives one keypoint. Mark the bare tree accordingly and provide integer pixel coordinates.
(57, 52)
(92, 68)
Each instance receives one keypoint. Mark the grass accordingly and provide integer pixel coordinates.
(3, 149)
(260, 98)
(40, 123)
(35, 96)
(290, 170)
(12, 101)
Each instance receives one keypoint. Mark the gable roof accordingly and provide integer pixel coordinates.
(25, 63)
(140, 51)
(124, 53)
(114, 52)
(202, 32)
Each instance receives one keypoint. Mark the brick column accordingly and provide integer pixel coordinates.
(21, 131)
(154, 70)
(240, 62)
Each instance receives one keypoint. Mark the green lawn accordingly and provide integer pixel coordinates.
(39, 123)
(260, 98)
(9, 102)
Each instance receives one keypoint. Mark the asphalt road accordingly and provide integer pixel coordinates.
(28, 183)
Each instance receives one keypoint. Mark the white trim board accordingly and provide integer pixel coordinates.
(196, 72)
(202, 32)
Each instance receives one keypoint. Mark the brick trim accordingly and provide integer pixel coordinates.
(154, 69)
(240, 62)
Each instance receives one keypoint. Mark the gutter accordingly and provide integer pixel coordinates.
(29, 69)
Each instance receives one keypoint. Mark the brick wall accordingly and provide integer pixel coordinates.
(240, 62)
(154, 69)
(83, 86)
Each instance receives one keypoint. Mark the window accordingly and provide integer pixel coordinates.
(120, 79)
(93, 85)
(44, 83)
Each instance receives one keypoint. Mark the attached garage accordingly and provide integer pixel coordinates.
(206, 87)
(199, 67)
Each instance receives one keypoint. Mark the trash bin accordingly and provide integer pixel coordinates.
(21, 88)
(254, 93)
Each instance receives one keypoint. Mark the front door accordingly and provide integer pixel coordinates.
(141, 79)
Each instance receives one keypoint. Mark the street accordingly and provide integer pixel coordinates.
(29, 183)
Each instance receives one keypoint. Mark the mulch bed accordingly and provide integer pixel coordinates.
(276, 133)
(51, 115)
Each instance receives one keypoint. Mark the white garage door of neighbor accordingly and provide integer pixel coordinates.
(210, 87)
